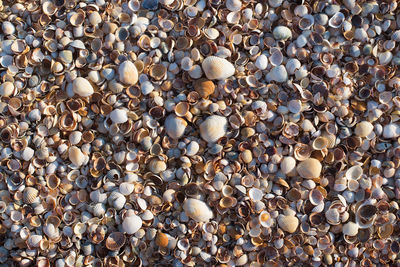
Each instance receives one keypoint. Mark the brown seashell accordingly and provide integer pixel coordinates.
(115, 241)
(158, 72)
(204, 87)
(162, 240)
(52, 181)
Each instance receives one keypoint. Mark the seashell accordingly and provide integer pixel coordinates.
(128, 73)
(354, 172)
(336, 20)
(255, 194)
(204, 87)
(288, 223)
(350, 229)
(197, 210)
(213, 128)
(119, 116)
(276, 58)
(52, 181)
(126, 188)
(316, 197)
(76, 156)
(95, 18)
(99, 209)
(309, 168)
(227, 202)
(6, 89)
(278, 74)
(162, 240)
(261, 62)
(8, 28)
(233, 5)
(282, 33)
(82, 87)
(332, 216)
(217, 68)
(181, 109)
(175, 126)
(157, 166)
(320, 143)
(294, 106)
(115, 241)
(27, 154)
(363, 129)
(147, 87)
(30, 195)
(302, 151)
(288, 165)
(391, 130)
(186, 63)
(34, 241)
(158, 71)
(306, 22)
(131, 224)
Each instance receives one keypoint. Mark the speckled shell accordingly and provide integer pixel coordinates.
(217, 68)
(197, 210)
(213, 128)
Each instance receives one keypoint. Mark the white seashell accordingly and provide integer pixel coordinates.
(97, 197)
(233, 17)
(147, 87)
(195, 72)
(354, 172)
(75, 137)
(147, 215)
(292, 65)
(128, 73)
(126, 188)
(275, 3)
(82, 87)
(197, 210)
(30, 195)
(131, 224)
(217, 68)
(117, 200)
(278, 74)
(282, 33)
(336, 20)
(27, 153)
(34, 241)
(175, 126)
(261, 62)
(255, 194)
(166, 2)
(363, 129)
(350, 229)
(213, 128)
(76, 156)
(385, 57)
(309, 168)
(288, 223)
(6, 89)
(288, 165)
(192, 148)
(8, 28)
(391, 130)
(233, 5)
(276, 58)
(119, 115)
(186, 63)
(99, 209)
(294, 106)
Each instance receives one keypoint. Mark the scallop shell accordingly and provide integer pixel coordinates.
(363, 129)
(29, 195)
(82, 87)
(197, 210)
(76, 156)
(131, 224)
(204, 87)
(175, 126)
(309, 168)
(288, 223)
(213, 128)
(128, 73)
(119, 116)
(115, 241)
(217, 68)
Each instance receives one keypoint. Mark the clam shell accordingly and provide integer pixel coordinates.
(162, 240)
(175, 126)
(119, 115)
(350, 229)
(282, 33)
(363, 129)
(354, 172)
(255, 194)
(115, 241)
(261, 62)
(128, 73)
(217, 68)
(204, 87)
(34, 241)
(82, 87)
(6, 89)
(131, 224)
(320, 143)
(76, 156)
(213, 128)
(288, 223)
(233, 5)
(288, 165)
(29, 195)
(157, 166)
(391, 130)
(336, 20)
(197, 210)
(309, 168)
(278, 74)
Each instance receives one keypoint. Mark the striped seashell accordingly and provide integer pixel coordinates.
(30, 194)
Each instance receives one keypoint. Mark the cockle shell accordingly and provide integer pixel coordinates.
(363, 128)
(30, 194)
(233, 5)
(261, 62)
(391, 130)
(6, 89)
(34, 241)
(204, 87)
(278, 74)
(213, 128)
(282, 33)
(131, 224)
(288, 164)
(288, 223)
(197, 210)
(119, 115)
(175, 126)
(27, 153)
(350, 229)
(162, 240)
(82, 87)
(309, 168)
(128, 73)
(115, 241)
(217, 68)
(76, 156)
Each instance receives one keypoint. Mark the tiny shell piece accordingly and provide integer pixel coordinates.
(197, 210)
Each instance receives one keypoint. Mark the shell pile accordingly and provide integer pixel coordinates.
(199, 133)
